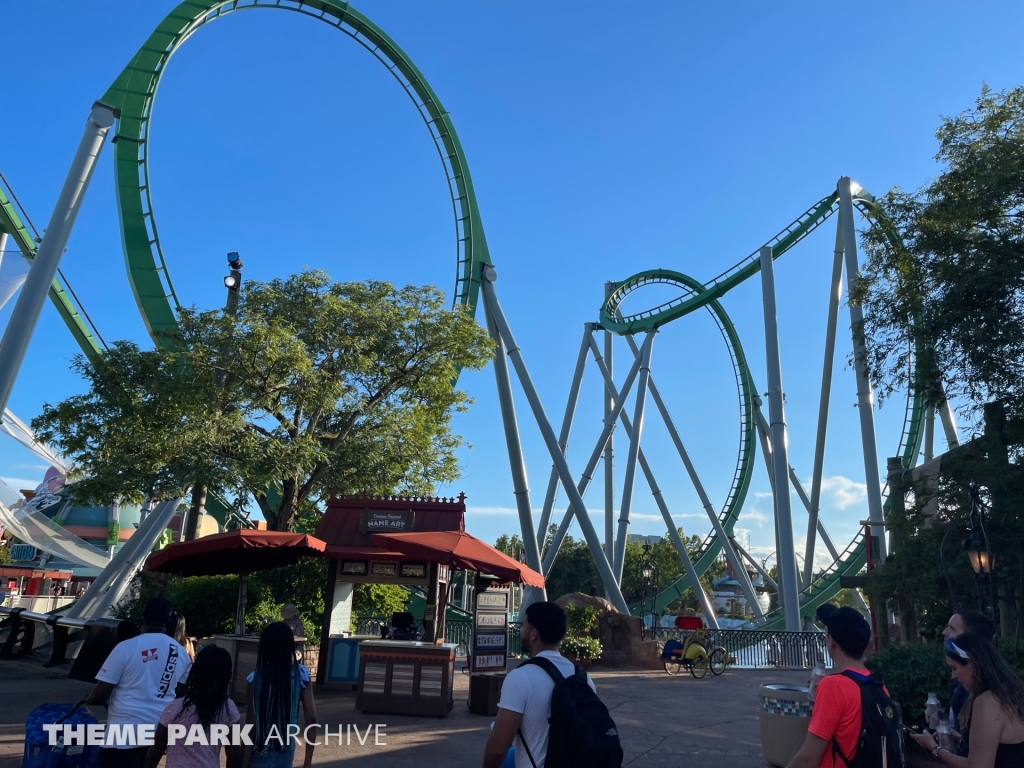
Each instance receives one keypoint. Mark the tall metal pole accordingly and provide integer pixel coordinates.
(929, 434)
(22, 322)
(786, 556)
(823, 402)
(631, 456)
(563, 435)
(3, 246)
(489, 275)
(865, 398)
(595, 456)
(609, 448)
(949, 425)
(520, 483)
(705, 500)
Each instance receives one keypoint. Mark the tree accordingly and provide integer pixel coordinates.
(346, 387)
(949, 290)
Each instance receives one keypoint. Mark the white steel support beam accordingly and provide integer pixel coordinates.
(588, 473)
(929, 434)
(865, 398)
(786, 556)
(609, 448)
(756, 565)
(634, 449)
(823, 403)
(488, 276)
(563, 435)
(23, 319)
(705, 500)
(520, 482)
(949, 425)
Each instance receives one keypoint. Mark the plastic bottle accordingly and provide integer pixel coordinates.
(817, 674)
(931, 711)
(945, 739)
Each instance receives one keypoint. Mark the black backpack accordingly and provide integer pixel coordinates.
(581, 732)
(881, 730)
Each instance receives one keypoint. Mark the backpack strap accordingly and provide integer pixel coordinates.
(522, 740)
(548, 666)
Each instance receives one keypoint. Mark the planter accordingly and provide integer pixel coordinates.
(581, 663)
(784, 715)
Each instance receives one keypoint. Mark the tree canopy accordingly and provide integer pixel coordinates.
(312, 387)
(950, 288)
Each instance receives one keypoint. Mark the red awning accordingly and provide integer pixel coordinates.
(363, 553)
(458, 549)
(240, 551)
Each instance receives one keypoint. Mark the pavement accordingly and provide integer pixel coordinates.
(663, 722)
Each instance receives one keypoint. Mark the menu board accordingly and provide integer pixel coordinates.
(490, 629)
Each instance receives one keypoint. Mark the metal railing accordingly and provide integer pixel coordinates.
(759, 648)
(458, 631)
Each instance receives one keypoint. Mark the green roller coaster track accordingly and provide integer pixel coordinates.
(133, 95)
(695, 295)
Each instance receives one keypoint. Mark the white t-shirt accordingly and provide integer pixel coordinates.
(527, 690)
(144, 672)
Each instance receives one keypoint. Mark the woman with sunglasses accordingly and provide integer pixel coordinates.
(994, 712)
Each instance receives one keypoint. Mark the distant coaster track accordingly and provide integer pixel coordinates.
(695, 295)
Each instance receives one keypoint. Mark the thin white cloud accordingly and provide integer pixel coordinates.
(496, 511)
(17, 483)
(843, 491)
(754, 514)
(761, 496)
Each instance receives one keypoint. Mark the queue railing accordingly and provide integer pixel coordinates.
(760, 649)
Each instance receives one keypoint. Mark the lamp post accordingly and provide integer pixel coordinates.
(648, 574)
(979, 551)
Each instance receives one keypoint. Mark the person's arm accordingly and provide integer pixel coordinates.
(100, 694)
(987, 722)
(159, 747)
(810, 753)
(501, 738)
(927, 742)
(309, 711)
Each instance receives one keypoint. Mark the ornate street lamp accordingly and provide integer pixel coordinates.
(648, 574)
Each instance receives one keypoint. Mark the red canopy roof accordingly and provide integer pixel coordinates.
(458, 549)
(239, 551)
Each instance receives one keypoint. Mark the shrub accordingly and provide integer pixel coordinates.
(911, 672)
(582, 619)
(581, 647)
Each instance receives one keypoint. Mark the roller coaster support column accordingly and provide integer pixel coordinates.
(929, 434)
(786, 556)
(826, 391)
(609, 448)
(948, 425)
(709, 611)
(488, 276)
(634, 450)
(563, 435)
(520, 483)
(33, 293)
(588, 473)
(716, 523)
(3, 245)
(865, 399)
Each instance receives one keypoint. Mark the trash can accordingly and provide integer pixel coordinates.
(485, 692)
(784, 715)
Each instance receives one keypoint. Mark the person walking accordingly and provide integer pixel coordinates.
(205, 703)
(137, 681)
(525, 704)
(276, 687)
(836, 732)
(994, 712)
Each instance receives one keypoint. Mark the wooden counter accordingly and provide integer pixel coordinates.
(243, 660)
(405, 677)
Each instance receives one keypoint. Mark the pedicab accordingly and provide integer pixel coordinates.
(695, 654)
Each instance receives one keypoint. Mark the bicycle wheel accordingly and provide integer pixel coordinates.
(719, 660)
(673, 667)
(699, 665)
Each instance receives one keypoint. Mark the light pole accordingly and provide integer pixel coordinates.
(980, 551)
(648, 575)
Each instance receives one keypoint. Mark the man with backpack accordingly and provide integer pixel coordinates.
(549, 707)
(854, 722)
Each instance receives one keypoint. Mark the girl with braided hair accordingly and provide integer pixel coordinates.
(206, 703)
(276, 687)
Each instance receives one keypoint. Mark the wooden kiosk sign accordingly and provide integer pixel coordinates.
(490, 628)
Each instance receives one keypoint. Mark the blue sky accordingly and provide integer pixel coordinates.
(601, 142)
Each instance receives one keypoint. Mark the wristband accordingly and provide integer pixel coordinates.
(935, 752)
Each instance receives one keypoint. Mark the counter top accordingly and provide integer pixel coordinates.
(407, 644)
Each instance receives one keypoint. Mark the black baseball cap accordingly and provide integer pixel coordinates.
(157, 611)
(847, 627)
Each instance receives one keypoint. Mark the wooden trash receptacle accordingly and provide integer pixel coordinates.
(405, 677)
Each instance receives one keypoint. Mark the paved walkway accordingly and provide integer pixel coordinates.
(664, 722)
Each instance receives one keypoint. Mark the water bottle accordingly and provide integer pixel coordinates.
(931, 712)
(945, 739)
(817, 674)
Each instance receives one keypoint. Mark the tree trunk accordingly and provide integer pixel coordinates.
(196, 511)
